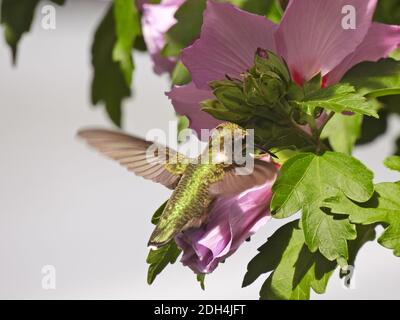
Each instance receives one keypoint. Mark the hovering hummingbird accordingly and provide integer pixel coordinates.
(195, 183)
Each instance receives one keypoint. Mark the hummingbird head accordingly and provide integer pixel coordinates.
(226, 139)
(228, 129)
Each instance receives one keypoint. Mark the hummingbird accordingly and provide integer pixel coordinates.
(195, 184)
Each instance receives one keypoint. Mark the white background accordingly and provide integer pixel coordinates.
(64, 205)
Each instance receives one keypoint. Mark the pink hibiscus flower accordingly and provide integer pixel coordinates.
(232, 220)
(312, 40)
(157, 19)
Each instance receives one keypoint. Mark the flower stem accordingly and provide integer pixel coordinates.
(323, 125)
(320, 144)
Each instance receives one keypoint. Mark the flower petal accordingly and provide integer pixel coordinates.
(228, 41)
(312, 39)
(380, 41)
(157, 19)
(186, 101)
(232, 221)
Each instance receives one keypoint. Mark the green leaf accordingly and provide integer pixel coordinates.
(17, 17)
(275, 11)
(183, 124)
(180, 75)
(388, 11)
(295, 269)
(384, 207)
(201, 278)
(270, 135)
(307, 177)
(127, 28)
(395, 54)
(109, 84)
(305, 181)
(160, 258)
(393, 163)
(343, 131)
(375, 79)
(189, 19)
(337, 98)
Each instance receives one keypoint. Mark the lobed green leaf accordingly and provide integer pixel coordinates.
(337, 98)
(343, 131)
(305, 181)
(384, 208)
(295, 269)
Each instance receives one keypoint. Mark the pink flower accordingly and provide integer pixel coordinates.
(310, 38)
(232, 220)
(157, 19)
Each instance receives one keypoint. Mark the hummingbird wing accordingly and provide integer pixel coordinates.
(146, 159)
(239, 178)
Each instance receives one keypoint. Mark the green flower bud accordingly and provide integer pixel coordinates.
(267, 61)
(218, 110)
(233, 98)
(252, 91)
(299, 116)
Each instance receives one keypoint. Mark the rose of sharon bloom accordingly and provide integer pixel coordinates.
(157, 19)
(232, 220)
(312, 40)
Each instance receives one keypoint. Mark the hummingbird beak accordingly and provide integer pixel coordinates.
(266, 151)
(259, 148)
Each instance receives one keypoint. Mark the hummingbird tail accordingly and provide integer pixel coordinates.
(159, 238)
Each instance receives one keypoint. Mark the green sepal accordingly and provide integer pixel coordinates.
(158, 259)
(200, 277)
(180, 75)
(219, 111)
